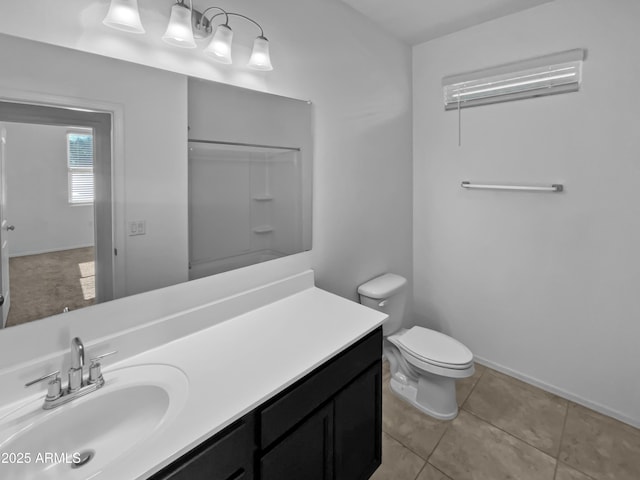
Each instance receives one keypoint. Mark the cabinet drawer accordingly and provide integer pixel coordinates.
(226, 456)
(302, 398)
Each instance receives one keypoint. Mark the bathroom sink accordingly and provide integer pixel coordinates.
(135, 404)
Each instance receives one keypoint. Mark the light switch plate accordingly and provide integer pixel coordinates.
(137, 227)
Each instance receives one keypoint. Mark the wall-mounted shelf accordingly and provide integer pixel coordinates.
(263, 198)
(263, 229)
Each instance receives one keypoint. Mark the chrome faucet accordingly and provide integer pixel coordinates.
(77, 365)
(77, 353)
(78, 385)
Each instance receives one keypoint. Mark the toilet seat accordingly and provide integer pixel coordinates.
(434, 348)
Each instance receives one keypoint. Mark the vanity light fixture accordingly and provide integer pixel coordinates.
(260, 58)
(219, 47)
(124, 15)
(179, 32)
(186, 25)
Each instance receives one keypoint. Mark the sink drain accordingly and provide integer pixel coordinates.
(85, 457)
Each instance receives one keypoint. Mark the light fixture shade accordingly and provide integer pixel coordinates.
(219, 48)
(179, 31)
(260, 58)
(124, 15)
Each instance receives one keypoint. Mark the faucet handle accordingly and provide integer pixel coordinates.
(95, 373)
(55, 384)
(100, 357)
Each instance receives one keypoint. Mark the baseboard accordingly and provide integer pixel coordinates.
(560, 392)
(40, 252)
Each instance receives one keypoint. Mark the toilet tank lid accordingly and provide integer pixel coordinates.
(383, 286)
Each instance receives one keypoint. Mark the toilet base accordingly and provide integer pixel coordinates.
(434, 395)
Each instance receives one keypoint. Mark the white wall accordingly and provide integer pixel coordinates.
(359, 79)
(542, 285)
(38, 193)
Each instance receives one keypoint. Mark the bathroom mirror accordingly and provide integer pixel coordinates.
(207, 177)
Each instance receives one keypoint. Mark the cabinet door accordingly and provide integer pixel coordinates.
(358, 426)
(306, 453)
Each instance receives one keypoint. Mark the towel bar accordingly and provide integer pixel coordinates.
(556, 187)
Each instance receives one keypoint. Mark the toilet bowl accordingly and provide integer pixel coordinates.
(424, 364)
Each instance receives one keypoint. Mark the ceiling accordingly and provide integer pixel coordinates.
(416, 21)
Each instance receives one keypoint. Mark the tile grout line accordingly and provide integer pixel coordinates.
(564, 427)
(432, 466)
(436, 468)
(510, 434)
(484, 371)
(588, 477)
(421, 470)
(473, 387)
(451, 421)
(407, 447)
(415, 453)
(444, 432)
(441, 437)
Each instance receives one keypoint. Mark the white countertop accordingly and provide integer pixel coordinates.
(236, 365)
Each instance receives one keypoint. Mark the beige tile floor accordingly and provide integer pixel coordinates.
(506, 430)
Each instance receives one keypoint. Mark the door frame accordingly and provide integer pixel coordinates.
(117, 112)
(107, 122)
(4, 232)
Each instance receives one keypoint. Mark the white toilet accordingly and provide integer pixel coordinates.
(424, 363)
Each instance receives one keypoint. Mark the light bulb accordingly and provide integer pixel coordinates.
(124, 15)
(179, 31)
(260, 59)
(219, 48)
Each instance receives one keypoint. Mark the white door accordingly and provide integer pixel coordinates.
(5, 228)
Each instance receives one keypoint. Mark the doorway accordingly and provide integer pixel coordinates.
(57, 251)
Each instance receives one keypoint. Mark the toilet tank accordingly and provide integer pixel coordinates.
(388, 294)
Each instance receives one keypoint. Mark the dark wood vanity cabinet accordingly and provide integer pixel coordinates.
(306, 452)
(228, 455)
(358, 426)
(339, 441)
(326, 426)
